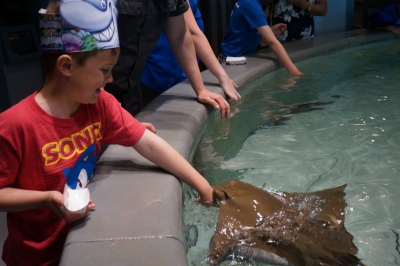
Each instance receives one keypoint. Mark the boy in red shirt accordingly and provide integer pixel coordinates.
(45, 134)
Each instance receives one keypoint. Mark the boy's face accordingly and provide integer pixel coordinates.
(87, 81)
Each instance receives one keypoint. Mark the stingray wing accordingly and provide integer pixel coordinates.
(327, 230)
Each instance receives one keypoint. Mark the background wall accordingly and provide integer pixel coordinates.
(336, 19)
(18, 79)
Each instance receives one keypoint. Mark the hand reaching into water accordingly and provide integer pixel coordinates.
(208, 200)
(230, 88)
(393, 29)
(216, 101)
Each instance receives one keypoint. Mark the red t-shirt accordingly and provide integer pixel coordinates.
(34, 148)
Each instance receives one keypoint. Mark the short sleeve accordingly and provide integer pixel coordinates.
(254, 15)
(181, 7)
(383, 17)
(9, 163)
(120, 127)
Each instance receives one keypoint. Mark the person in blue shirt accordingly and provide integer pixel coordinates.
(246, 27)
(387, 18)
(162, 70)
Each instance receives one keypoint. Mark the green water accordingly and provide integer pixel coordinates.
(276, 143)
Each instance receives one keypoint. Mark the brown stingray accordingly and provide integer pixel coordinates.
(282, 228)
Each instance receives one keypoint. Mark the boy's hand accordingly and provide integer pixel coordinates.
(56, 204)
(207, 203)
(209, 199)
(149, 126)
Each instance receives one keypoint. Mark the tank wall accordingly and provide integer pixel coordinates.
(334, 20)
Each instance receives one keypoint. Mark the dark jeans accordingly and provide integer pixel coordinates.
(147, 94)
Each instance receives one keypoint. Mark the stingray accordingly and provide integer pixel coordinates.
(298, 109)
(281, 228)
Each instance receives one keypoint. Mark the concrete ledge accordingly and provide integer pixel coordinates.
(131, 204)
(138, 216)
(157, 251)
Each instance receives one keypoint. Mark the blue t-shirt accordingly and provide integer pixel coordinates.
(242, 36)
(388, 15)
(162, 70)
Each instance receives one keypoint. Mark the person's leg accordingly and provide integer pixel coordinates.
(147, 94)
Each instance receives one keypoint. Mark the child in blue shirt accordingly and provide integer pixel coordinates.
(387, 18)
(246, 27)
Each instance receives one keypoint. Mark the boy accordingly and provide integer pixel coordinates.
(246, 27)
(46, 132)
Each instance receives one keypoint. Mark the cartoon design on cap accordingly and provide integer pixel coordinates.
(82, 25)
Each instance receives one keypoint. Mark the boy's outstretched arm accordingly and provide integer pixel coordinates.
(158, 151)
(14, 200)
(278, 50)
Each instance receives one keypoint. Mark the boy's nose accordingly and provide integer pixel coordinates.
(109, 78)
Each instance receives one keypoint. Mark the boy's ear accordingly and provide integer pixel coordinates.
(64, 63)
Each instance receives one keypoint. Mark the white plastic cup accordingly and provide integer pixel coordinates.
(76, 200)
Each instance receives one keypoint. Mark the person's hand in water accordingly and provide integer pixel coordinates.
(230, 88)
(215, 100)
(209, 199)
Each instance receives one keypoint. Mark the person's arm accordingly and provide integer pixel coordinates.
(181, 43)
(14, 200)
(392, 28)
(319, 8)
(158, 151)
(207, 56)
(279, 50)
